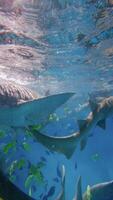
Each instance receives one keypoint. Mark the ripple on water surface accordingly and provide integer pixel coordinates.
(57, 47)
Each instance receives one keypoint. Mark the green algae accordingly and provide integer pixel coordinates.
(26, 146)
(17, 164)
(9, 146)
(2, 134)
(88, 193)
(35, 174)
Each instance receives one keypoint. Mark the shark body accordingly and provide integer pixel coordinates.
(20, 107)
(61, 196)
(67, 144)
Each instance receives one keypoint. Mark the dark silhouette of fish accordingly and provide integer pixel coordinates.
(104, 35)
(50, 193)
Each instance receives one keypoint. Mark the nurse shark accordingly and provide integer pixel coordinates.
(67, 144)
(20, 107)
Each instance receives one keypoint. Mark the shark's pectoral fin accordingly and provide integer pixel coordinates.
(83, 144)
(79, 190)
(81, 124)
(39, 110)
(65, 145)
(102, 124)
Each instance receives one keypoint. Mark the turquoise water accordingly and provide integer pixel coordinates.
(54, 48)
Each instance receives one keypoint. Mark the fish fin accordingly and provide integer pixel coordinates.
(83, 143)
(64, 145)
(102, 124)
(38, 111)
(68, 152)
(81, 123)
(79, 190)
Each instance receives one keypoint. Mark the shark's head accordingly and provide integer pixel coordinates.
(105, 107)
(20, 107)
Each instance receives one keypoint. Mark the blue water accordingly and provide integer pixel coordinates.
(53, 48)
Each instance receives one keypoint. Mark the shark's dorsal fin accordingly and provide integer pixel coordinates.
(93, 105)
(81, 123)
(79, 190)
(83, 143)
(102, 124)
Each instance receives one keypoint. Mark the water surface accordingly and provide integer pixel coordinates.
(54, 48)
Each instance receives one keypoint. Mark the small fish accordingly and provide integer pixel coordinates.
(51, 191)
(95, 157)
(12, 168)
(56, 180)
(90, 135)
(28, 181)
(47, 152)
(59, 174)
(43, 159)
(75, 165)
(62, 195)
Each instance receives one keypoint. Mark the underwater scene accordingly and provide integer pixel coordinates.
(56, 99)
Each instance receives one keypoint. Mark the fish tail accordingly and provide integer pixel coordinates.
(64, 145)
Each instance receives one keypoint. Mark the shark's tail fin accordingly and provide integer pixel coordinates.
(65, 145)
(38, 111)
(79, 190)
